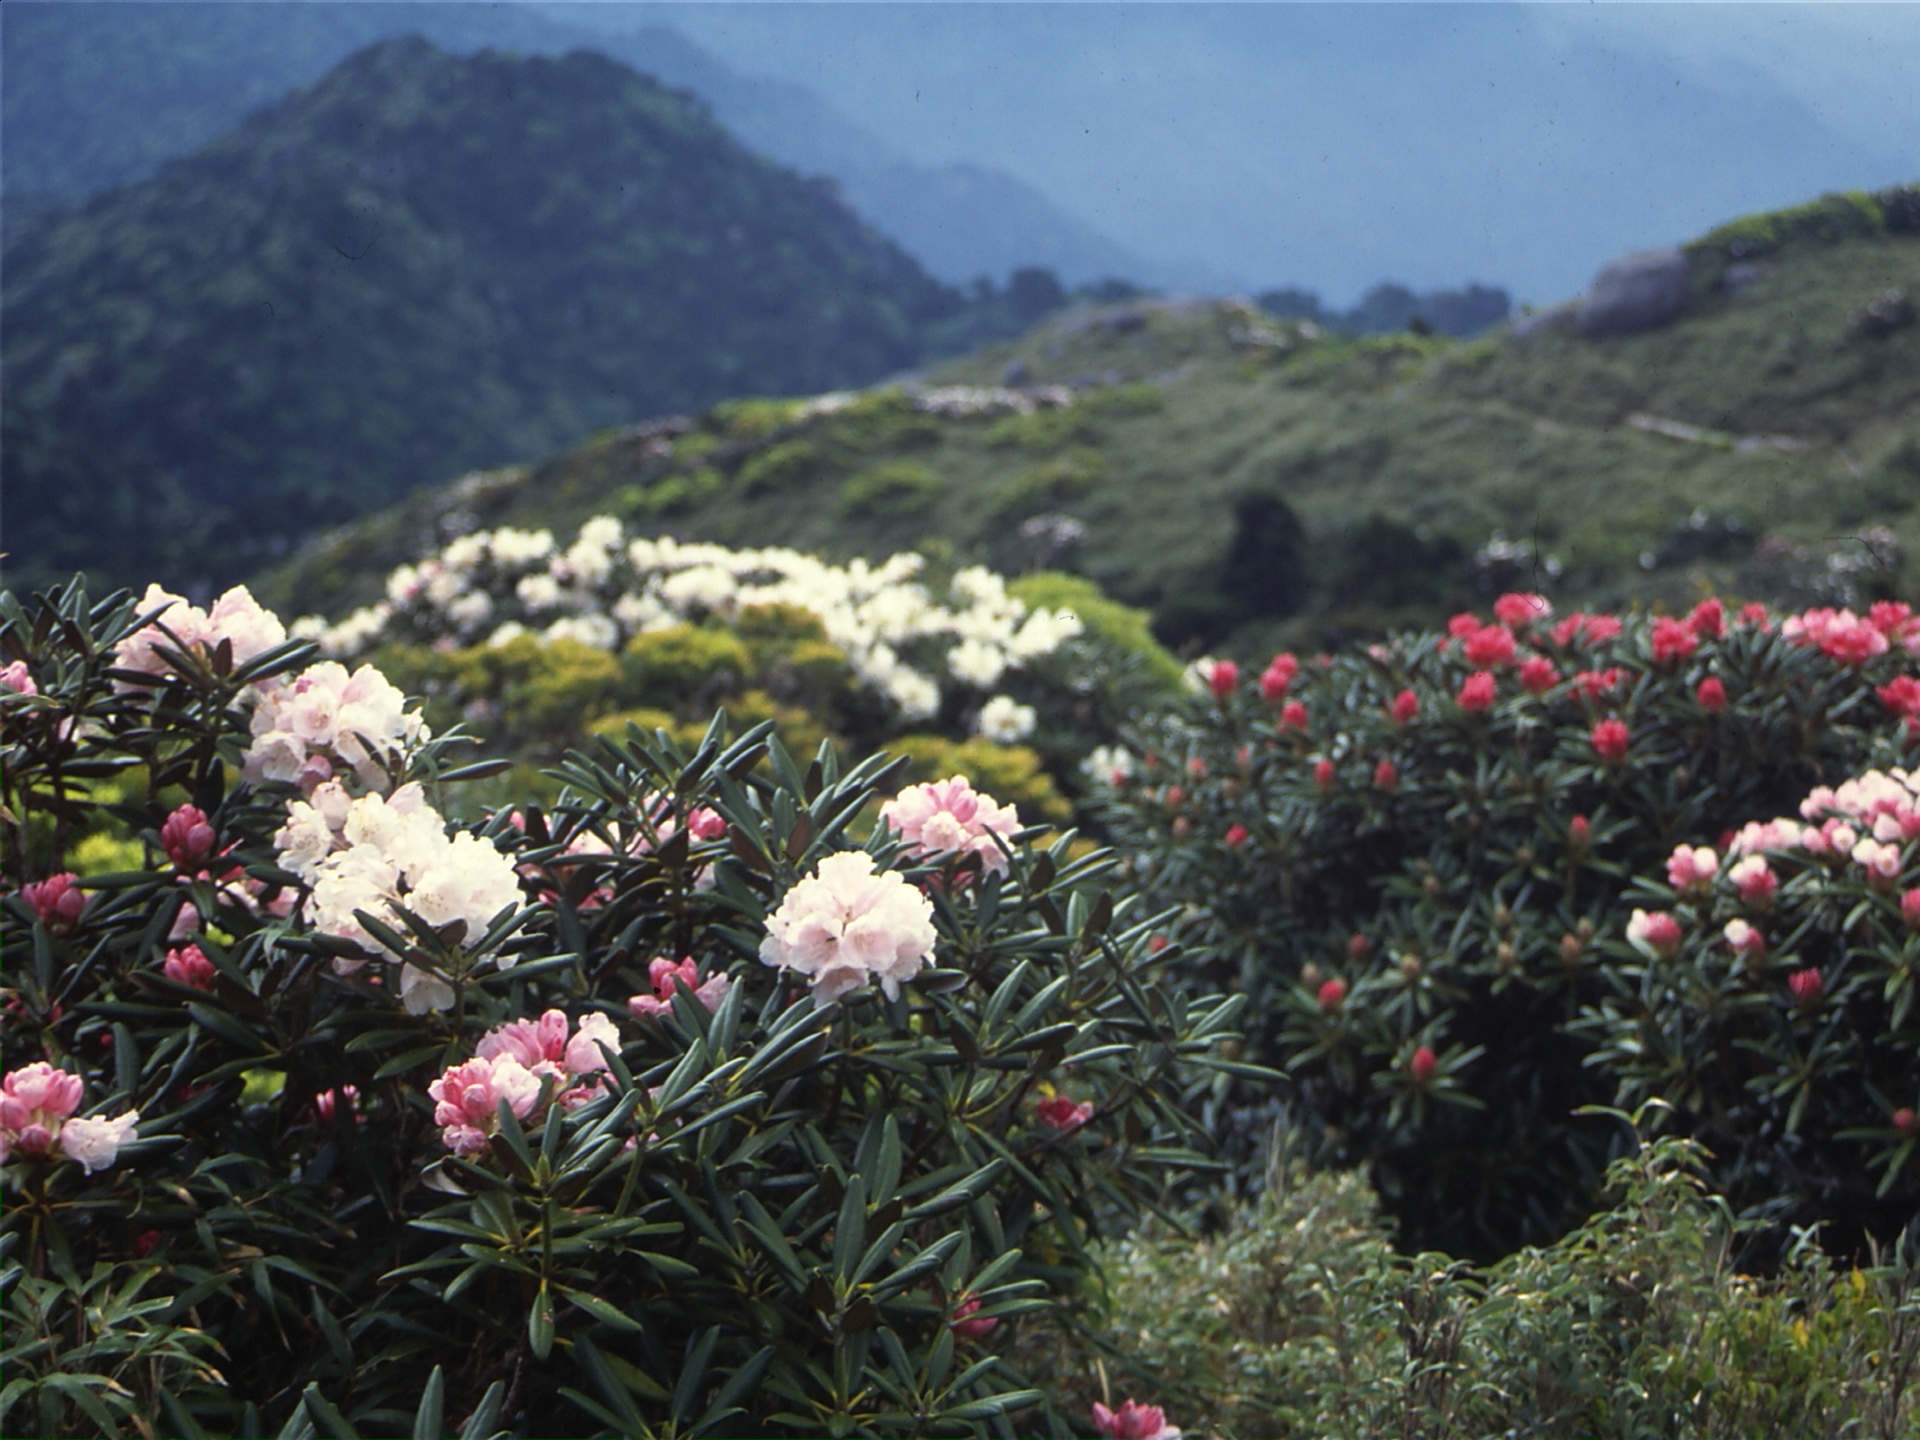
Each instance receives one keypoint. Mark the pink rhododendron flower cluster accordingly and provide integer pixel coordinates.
(1754, 879)
(847, 923)
(668, 977)
(950, 817)
(1747, 942)
(1133, 1421)
(1847, 638)
(305, 729)
(1278, 677)
(377, 853)
(235, 618)
(1583, 629)
(37, 1120)
(15, 679)
(517, 1063)
(1517, 609)
(187, 838)
(1672, 640)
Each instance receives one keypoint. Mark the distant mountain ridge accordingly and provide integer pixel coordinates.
(417, 265)
(100, 95)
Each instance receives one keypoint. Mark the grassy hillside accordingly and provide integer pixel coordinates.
(1251, 479)
(418, 264)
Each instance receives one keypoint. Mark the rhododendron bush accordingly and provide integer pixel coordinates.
(1422, 861)
(665, 1108)
(529, 643)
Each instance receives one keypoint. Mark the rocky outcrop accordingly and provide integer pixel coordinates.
(1637, 292)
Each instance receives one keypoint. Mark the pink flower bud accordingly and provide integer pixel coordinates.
(187, 838)
(1487, 648)
(1323, 774)
(1672, 640)
(1910, 908)
(1807, 987)
(1906, 1122)
(1333, 994)
(1385, 777)
(1517, 609)
(1477, 691)
(1223, 679)
(1748, 943)
(1293, 716)
(1692, 868)
(1277, 678)
(707, 824)
(1708, 620)
(1358, 945)
(1236, 836)
(1421, 1066)
(1132, 1422)
(1609, 739)
(1060, 1113)
(57, 900)
(1175, 797)
(1656, 932)
(144, 1242)
(1755, 881)
(1579, 833)
(1712, 695)
(189, 966)
(1538, 675)
(1406, 705)
(966, 1329)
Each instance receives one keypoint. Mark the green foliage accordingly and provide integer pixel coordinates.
(782, 466)
(1057, 482)
(683, 660)
(759, 1216)
(1299, 1319)
(897, 487)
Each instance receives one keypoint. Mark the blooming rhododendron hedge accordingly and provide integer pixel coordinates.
(529, 643)
(661, 1109)
(1418, 859)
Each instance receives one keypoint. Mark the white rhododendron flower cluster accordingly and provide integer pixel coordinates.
(604, 589)
(236, 619)
(847, 924)
(378, 852)
(950, 816)
(1110, 765)
(323, 715)
(1005, 721)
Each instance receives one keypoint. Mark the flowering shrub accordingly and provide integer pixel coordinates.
(1769, 1002)
(529, 646)
(1453, 840)
(355, 1121)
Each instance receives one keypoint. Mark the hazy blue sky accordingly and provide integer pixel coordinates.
(1337, 145)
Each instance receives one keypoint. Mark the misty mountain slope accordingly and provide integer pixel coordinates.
(1255, 481)
(101, 95)
(417, 265)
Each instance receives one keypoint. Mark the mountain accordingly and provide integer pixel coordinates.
(418, 265)
(101, 95)
(1255, 481)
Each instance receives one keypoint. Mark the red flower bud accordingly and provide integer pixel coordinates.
(1610, 741)
(144, 1242)
(1579, 832)
(1223, 679)
(1538, 675)
(1385, 777)
(1905, 1121)
(1333, 994)
(1236, 835)
(1910, 908)
(1807, 987)
(57, 900)
(1358, 945)
(1277, 677)
(1712, 695)
(1323, 774)
(1293, 716)
(965, 1329)
(1422, 1064)
(1406, 705)
(1708, 620)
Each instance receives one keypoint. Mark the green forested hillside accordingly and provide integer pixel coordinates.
(1249, 477)
(418, 264)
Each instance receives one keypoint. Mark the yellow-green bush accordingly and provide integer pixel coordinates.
(1121, 626)
(898, 487)
(682, 662)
